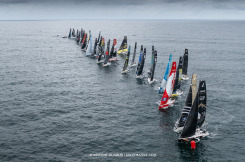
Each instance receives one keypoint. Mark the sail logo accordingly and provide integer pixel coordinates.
(164, 99)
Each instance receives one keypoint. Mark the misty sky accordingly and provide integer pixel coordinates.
(121, 9)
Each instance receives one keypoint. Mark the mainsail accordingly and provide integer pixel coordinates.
(165, 103)
(133, 59)
(95, 47)
(165, 78)
(107, 53)
(126, 61)
(123, 48)
(141, 62)
(69, 36)
(112, 52)
(176, 83)
(191, 122)
(180, 70)
(153, 64)
(194, 87)
(84, 42)
(202, 103)
(89, 49)
(185, 112)
(185, 63)
(101, 44)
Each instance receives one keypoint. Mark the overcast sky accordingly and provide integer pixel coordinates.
(121, 9)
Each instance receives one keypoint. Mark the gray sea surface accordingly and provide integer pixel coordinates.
(58, 105)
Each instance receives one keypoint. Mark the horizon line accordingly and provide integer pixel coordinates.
(115, 19)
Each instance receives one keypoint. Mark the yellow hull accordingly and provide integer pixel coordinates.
(174, 95)
(124, 51)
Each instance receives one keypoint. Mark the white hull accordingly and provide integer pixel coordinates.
(133, 65)
(125, 71)
(99, 62)
(88, 54)
(185, 77)
(151, 82)
(177, 129)
(200, 133)
(170, 103)
(139, 76)
(107, 64)
(113, 59)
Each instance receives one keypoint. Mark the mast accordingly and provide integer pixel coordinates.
(126, 61)
(185, 64)
(165, 78)
(202, 102)
(133, 59)
(191, 122)
(194, 86)
(169, 88)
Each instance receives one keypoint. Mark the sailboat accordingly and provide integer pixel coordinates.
(153, 64)
(124, 47)
(185, 65)
(192, 130)
(101, 50)
(88, 40)
(176, 90)
(73, 35)
(179, 125)
(106, 59)
(89, 49)
(125, 67)
(84, 42)
(113, 53)
(140, 67)
(69, 35)
(82, 37)
(202, 103)
(165, 78)
(166, 101)
(133, 63)
(95, 47)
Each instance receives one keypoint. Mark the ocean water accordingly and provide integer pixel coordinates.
(58, 105)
